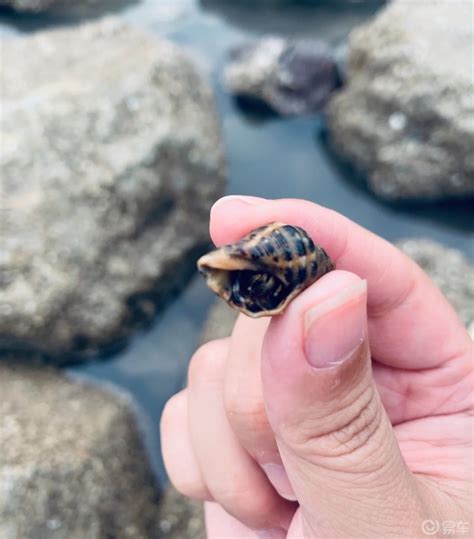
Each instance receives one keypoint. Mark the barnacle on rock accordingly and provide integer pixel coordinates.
(265, 270)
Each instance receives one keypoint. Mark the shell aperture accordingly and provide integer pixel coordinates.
(260, 274)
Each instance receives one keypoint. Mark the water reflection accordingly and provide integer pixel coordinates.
(324, 19)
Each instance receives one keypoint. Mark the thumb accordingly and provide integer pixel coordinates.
(335, 439)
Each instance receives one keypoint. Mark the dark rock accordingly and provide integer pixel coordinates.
(74, 6)
(292, 77)
(72, 463)
(405, 116)
(33, 15)
(40, 5)
(111, 159)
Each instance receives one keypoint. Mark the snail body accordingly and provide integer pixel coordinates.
(260, 274)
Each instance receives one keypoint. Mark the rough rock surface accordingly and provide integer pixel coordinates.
(406, 114)
(72, 463)
(448, 268)
(111, 159)
(180, 517)
(291, 77)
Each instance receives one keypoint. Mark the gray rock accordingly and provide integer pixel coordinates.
(27, 5)
(448, 268)
(72, 464)
(111, 159)
(42, 5)
(292, 77)
(406, 114)
(180, 517)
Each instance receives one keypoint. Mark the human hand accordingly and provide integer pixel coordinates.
(293, 428)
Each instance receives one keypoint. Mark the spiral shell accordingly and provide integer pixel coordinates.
(260, 274)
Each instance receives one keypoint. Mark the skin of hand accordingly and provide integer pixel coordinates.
(293, 427)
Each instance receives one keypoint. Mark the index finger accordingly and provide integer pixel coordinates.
(411, 324)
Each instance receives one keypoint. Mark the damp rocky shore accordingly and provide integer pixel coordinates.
(115, 137)
(397, 95)
(112, 155)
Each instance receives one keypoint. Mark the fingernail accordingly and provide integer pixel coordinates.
(248, 200)
(279, 479)
(273, 533)
(336, 328)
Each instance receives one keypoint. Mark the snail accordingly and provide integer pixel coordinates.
(260, 274)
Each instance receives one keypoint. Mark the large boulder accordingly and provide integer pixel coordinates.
(111, 159)
(406, 115)
(72, 463)
(292, 77)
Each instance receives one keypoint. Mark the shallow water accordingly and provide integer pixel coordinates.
(267, 157)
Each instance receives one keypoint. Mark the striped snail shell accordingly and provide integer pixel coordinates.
(260, 274)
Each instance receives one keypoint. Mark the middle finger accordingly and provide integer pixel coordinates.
(231, 475)
(244, 403)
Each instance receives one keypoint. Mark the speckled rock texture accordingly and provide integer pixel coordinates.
(111, 159)
(406, 115)
(292, 77)
(450, 270)
(72, 464)
(180, 517)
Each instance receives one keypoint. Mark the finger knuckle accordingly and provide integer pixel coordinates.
(206, 359)
(185, 476)
(169, 413)
(233, 495)
(245, 413)
(190, 485)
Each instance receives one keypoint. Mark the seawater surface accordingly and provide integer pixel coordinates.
(267, 157)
